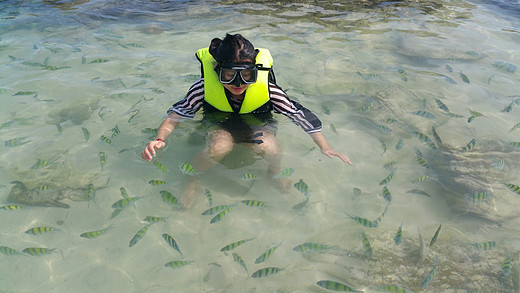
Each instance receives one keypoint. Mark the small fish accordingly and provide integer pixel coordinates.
(59, 128)
(310, 246)
(209, 196)
(86, 133)
(366, 107)
(115, 131)
(436, 135)
(508, 108)
(187, 169)
(367, 248)
(216, 209)
(90, 192)
(14, 142)
(153, 219)
(169, 239)
(356, 191)
(420, 159)
(474, 114)
(101, 60)
(421, 136)
(516, 126)
(430, 275)
(139, 235)
(177, 263)
(8, 251)
(402, 74)
(285, 173)
(240, 261)
(442, 106)
(364, 222)
(514, 188)
(388, 178)
(499, 164)
(469, 146)
(11, 207)
(485, 245)
(169, 198)
(333, 128)
(38, 251)
(464, 77)
(491, 77)
(479, 197)
(418, 191)
(399, 144)
(124, 194)
(505, 67)
(421, 179)
(325, 109)
(424, 114)
(264, 256)
(389, 165)
(234, 245)
(221, 214)
(133, 115)
(386, 194)
(506, 265)
(449, 79)
(302, 204)
(515, 144)
(434, 238)
(253, 203)
(105, 139)
(156, 182)
(310, 150)
(248, 176)
(399, 235)
(125, 202)
(102, 159)
(24, 93)
(160, 166)
(335, 286)
(39, 164)
(453, 115)
(261, 273)
(302, 187)
(39, 230)
(393, 289)
(94, 234)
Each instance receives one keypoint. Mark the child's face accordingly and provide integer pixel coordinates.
(236, 91)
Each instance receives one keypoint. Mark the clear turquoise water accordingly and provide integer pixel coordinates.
(333, 58)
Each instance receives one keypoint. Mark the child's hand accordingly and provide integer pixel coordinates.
(149, 151)
(332, 153)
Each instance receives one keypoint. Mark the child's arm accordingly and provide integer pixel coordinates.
(325, 148)
(167, 126)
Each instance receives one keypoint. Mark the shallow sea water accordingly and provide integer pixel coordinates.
(355, 65)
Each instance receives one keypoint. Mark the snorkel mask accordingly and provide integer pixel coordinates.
(237, 73)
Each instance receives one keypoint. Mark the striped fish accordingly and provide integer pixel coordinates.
(139, 235)
(187, 169)
(420, 159)
(367, 248)
(310, 246)
(474, 114)
(11, 207)
(434, 238)
(169, 239)
(38, 251)
(102, 159)
(364, 222)
(156, 182)
(261, 273)
(39, 230)
(393, 289)
(441, 105)
(464, 77)
(514, 188)
(470, 146)
(124, 194)
(388, 178)
(506, 265)
(356, 191)
(335, 286)
(154, 219)
(105, 139)
(115, 131)
(386, 194)
(399, 235)
(402, 74)
(169, 198)
(253, 203)
(420, 179)
(424, 114)
(302, 187)
(236, 244)
(436, 135)
(125, 202)
(479, 197)
(216, 209)
(430, 275)
(86, 133)
(399, 144)
(14, 142)
(39, 164)
(516, 126)
(248, 176)
(177, 263)
(264, 256)
(515, 144)
(285, 173)
(209, 196)
(8, 251)
(221, 214)
(421, 136)
(94, 234)
(240, 261)
(160, 166)
(488, 245)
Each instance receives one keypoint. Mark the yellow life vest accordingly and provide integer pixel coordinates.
(257, 94)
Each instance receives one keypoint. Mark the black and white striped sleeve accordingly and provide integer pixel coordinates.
(297, 113)
(188, 106)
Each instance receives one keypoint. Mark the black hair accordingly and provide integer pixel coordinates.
(232, 48)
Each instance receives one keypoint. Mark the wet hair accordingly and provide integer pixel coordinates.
(233, 48)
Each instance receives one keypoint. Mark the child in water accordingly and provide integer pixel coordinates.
(238, 94)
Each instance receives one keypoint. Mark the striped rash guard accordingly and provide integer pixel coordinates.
(279, 100)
